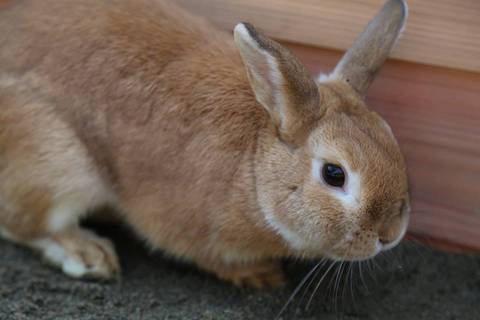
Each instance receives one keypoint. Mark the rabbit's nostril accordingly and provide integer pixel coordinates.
(387, 234)
(385, 240)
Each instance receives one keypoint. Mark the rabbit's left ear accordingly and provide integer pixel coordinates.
(282, 85)
(362, 61)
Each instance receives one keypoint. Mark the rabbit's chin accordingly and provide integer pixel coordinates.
(347, 249)
(347, 255)
(340, 255)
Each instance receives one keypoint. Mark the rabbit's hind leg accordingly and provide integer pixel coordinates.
(47, 183)
(63, 243)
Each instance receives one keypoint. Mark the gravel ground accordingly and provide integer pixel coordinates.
(411, 282)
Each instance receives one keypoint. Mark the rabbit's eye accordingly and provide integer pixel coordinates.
(333, 175)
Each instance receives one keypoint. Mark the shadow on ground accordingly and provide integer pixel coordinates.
(412, 282)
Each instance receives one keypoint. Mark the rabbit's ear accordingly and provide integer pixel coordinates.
(280, 82)
(362, 61)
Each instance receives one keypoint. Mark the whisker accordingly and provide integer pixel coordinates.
(299, 287)
(371, 272)
(351, 270)
(361, 276)
(348, 268)
(336, 287)
(331, 284)
(312, 280)
(374, 262)
(318, 284)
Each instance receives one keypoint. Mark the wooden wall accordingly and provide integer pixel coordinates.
(439, 32)
(431, 98)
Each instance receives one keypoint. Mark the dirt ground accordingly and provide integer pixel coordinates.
(411, 282)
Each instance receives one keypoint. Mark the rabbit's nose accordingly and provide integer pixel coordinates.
(393, 224)
(388, 234)
(392, 230)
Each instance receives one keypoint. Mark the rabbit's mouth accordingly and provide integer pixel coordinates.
(369, 239)
(364, 246)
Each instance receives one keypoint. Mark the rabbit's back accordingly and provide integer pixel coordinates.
(121, 72)
(57, 35)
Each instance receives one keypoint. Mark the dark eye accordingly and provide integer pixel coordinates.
(333, 175)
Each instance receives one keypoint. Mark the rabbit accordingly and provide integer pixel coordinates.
(219, 150)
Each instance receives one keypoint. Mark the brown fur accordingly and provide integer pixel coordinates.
(154, 106)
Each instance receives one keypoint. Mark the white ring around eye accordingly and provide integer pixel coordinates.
(349, 195)
(317, 169)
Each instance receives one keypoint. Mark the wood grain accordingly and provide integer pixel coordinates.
(440, 32)
(435, 114)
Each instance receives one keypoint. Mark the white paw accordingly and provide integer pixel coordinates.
(81, 254)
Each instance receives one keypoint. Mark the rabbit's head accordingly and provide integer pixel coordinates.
(331, 179)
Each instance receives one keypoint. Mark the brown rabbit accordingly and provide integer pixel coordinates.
(224, 153)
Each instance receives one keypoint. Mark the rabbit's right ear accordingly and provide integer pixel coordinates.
(282, 85)
(362, 61)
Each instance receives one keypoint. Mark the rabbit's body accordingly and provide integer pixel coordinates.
(141, 106)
